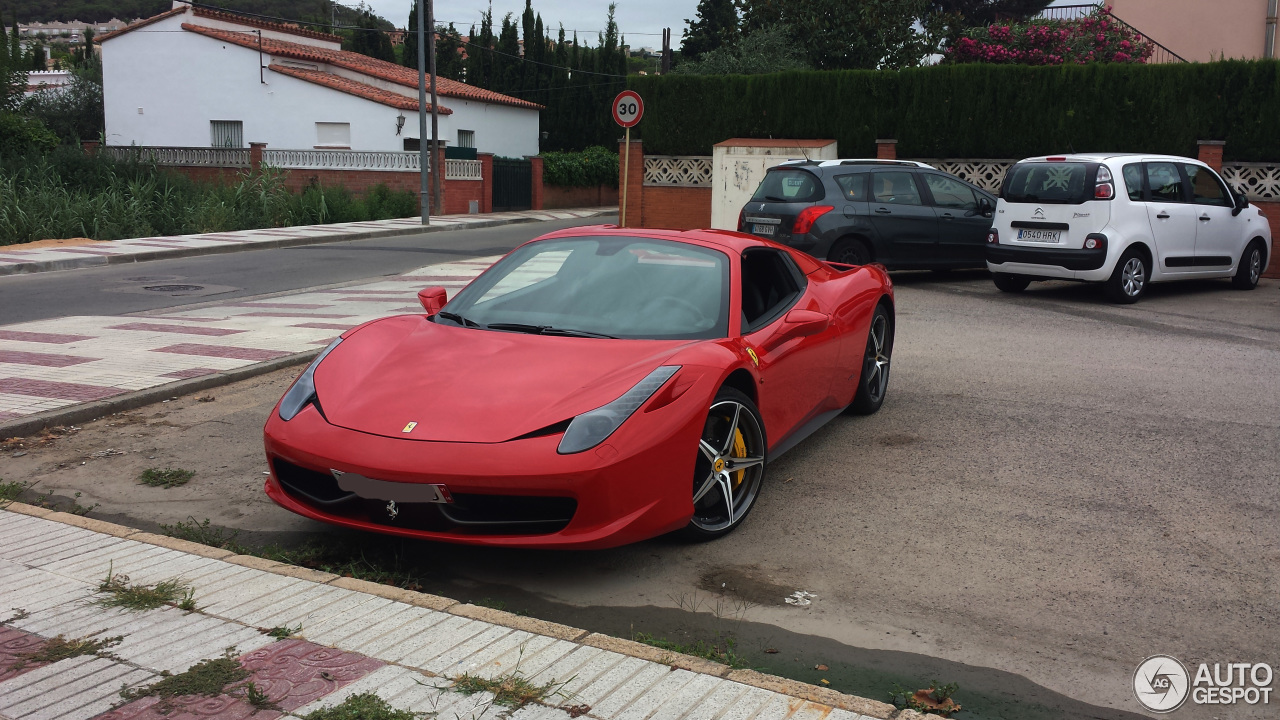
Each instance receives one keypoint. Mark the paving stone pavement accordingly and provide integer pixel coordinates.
(59, 363)
(408, 651)
(14, 260)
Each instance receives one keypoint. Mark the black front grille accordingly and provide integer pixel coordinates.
(469, 513)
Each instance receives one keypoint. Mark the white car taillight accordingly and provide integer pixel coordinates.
(1105, 189)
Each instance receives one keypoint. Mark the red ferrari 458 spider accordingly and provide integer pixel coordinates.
(595, 387)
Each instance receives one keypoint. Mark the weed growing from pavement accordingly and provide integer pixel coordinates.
(723, 650)
(60, 648)
(78, 509)
(512, 690)
(117, 592)
(166, 478)
(365, 706)
(499, 605)
(284, 632)
(936, 700)
(207, 677)
(18, 614)
(9, 491)
(257, 697)
(203, 533)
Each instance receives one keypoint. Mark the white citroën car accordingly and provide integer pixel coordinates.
(1126, 220)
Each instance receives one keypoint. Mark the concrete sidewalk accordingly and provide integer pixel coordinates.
(347, 637)
(14, 260)
(73, 369)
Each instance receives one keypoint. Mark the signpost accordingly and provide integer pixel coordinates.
(628, 108)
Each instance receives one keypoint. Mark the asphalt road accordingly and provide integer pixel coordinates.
(1055, 488)
(107, 290)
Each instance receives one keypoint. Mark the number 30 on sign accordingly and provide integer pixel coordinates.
(628, 108)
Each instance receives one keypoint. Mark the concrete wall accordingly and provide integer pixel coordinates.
(1200, 30)
(738, 166)
(182, 80)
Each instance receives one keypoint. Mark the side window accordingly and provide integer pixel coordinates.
(950, 193)
(1165, 182)
(897, 188)
(1133, 181)
(1205, 188)
(853, 186)
(769, 287)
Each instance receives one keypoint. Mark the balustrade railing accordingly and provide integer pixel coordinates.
(389, 161)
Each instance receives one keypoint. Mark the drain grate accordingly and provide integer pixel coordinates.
(173, 288)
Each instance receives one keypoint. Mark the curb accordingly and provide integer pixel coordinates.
(31, 424)
(793, 688)
(121, 259)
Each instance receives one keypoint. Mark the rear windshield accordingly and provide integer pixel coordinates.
(1047, 182)
(789, 186)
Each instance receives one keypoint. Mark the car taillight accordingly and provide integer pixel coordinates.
(993, 236)
(807, 216)
(742, 219)
(1104, 190)
(1095, 241)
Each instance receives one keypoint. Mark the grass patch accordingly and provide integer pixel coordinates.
(512, 690)
(723, 650)
(60, 648)
(117, 592)
(284, 632)
(207, 677)
(205, 534)
(365, 706)
(166, 478)
(9, 491)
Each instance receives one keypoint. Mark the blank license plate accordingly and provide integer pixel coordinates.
(763, 229)
(1040, 236)
(372, 489)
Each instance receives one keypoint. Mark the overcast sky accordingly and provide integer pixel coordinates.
(586, 16)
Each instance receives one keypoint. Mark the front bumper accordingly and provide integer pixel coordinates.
(519, 493)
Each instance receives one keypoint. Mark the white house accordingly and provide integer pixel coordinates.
(194, 77)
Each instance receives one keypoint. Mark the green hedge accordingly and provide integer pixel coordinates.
(976, 110)
(591, 167)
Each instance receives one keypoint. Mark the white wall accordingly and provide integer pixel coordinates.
(182, 80)
(736, 172)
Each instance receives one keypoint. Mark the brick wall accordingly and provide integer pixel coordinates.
(1272, 211)
(655, 206)
(554, 197)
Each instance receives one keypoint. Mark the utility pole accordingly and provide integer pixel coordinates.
(424, 198)
(437, 197)
(665, 67)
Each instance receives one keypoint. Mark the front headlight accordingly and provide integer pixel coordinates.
(592, 428)
(304, 389)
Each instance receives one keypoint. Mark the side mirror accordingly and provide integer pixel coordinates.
(1241, 202)
(801, 323)
(432, 299)
(984, 206)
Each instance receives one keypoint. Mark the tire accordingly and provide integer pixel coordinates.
(849, 251)
(733, 435)
(1010, 283)
(1250, 269)
(1128, 282)
(873, 381)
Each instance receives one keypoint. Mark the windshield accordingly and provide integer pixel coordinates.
(789, 186)
(620, 287)
(1046, 182)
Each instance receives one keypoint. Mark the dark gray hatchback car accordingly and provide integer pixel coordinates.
(904, 215)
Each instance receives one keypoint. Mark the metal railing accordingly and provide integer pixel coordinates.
(1072, 13)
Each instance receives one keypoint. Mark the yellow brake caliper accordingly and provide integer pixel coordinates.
(739, 451)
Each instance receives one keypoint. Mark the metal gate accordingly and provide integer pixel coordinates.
(512, 184)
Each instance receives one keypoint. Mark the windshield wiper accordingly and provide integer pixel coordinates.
(455, 317)
(546, 330)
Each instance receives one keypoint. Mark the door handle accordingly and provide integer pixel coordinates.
(883, 211)
(948, 216)
(1163, 215)
(1205, 218)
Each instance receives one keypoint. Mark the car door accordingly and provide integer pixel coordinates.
(907, 227)
(1173, 219)
(1217, 232)
(796, 372)
(962, 226)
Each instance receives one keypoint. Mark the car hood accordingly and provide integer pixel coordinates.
(467, 385)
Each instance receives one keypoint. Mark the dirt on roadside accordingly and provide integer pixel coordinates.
(206, 433)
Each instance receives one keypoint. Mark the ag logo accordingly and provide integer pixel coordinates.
(1161, 683)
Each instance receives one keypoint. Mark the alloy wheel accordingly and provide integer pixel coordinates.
(1255, 266)
(730, 466)
(1133, 277)
(876, 369)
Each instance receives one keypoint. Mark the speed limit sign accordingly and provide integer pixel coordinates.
(627, 108)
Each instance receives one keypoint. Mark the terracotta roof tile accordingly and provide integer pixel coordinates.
(181, 9)
(290, 28)
(356, 62)
(351, 87)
